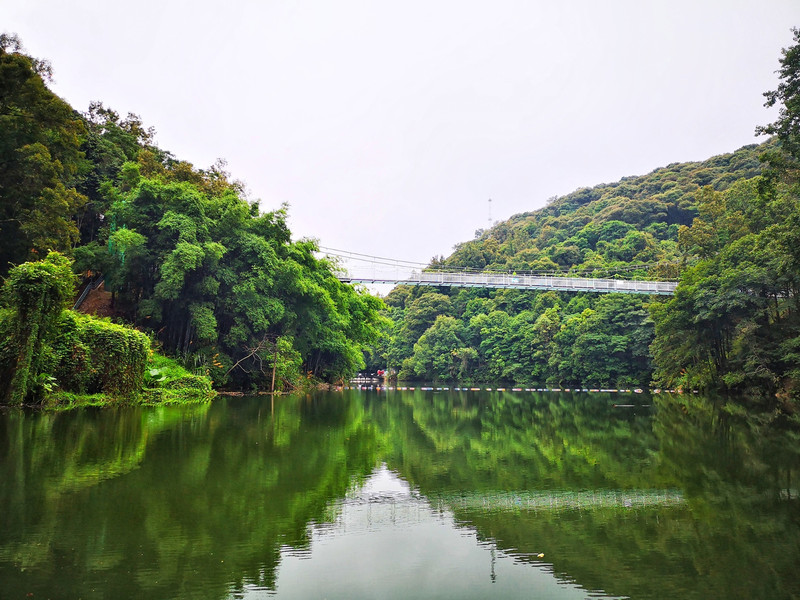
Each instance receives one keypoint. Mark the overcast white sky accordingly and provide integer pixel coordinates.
(387, 126)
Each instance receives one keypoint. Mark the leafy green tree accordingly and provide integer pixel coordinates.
(612, 346)
(734, 317)
(220, 282)
(440, 352)
(40, 160)
(36, 293)
(418, 315)
(544, 331)
(492, 332)
(423, 311)
(562, 366)
(787, 97)
(109, 143)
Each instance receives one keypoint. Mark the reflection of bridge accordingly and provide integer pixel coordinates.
(375, 270)
(387, 499)
(558, 500)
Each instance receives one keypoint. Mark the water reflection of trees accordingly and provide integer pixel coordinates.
(506, 441)
(177, 502)
(736, 536)
(190, 502)
(744, 539)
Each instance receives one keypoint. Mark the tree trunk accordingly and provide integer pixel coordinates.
(274, 367)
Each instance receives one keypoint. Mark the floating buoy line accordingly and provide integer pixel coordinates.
(389, 388)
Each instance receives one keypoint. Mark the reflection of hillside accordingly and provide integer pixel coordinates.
(737, 475)
(216, 496)
(203, 502)
(56, 455)
(627, 553)
(463, 455)
(402, 547)
(518, 442)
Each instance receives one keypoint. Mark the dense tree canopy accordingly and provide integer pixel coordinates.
(223, 286)
(625, 229)
(40, 160)
(220, 284)
(727, 228)
(787, 98)
(735, 321)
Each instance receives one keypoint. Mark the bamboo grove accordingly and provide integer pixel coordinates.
(187, 257)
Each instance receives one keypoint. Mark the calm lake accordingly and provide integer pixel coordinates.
(416, 494)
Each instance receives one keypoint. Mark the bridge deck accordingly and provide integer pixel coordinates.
(522, 282)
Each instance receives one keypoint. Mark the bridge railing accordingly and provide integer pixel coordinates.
(375, 270)
(511, 280)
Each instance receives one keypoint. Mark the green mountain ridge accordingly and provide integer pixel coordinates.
(666, 224)
(632, 220)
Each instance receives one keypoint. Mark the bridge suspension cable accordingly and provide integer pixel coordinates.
(384, 270)
(371, 259)
(393, 262)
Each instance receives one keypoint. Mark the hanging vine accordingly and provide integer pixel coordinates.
(37, 293)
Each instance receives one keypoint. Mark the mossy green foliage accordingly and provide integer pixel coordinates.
(94, 355)
(36, 294)
(167, 382)
(97, 362)
(57, 356)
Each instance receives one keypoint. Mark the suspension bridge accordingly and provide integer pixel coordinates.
(366, 269)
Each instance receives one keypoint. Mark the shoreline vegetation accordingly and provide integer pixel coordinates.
(203, 293)
(193, 268)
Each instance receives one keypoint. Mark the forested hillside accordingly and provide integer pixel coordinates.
(726, 228)
(221, 285)
(188, 258)
(627, 229)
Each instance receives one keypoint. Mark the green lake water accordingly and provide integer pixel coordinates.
(416, 494)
